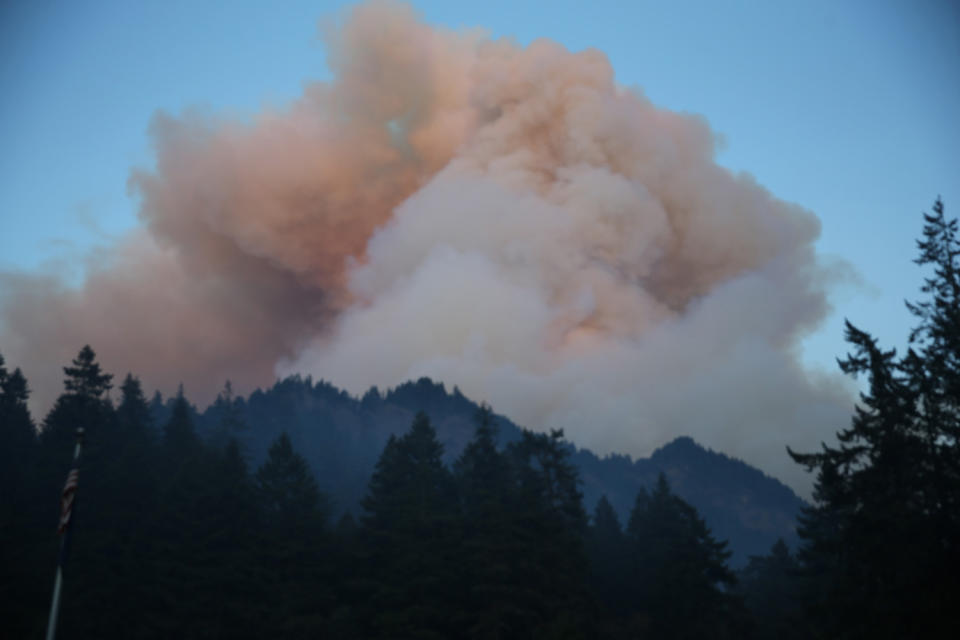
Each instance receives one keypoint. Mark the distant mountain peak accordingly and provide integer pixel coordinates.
(680, 443)
(342, 436)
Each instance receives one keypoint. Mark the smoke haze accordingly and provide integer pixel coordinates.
(502, 218)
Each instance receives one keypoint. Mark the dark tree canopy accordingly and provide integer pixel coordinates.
(180, 434)
(85, 378)
(681, 570)
(182, 540)
(609, 553)
(84, 404)
(882, 539)
(772, 589)
(17, 432)
(287, 489)
(409, 523)
(133, 412)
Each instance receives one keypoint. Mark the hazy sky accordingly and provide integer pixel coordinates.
(846, 109)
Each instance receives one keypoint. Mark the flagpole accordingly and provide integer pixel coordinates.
(58, 582)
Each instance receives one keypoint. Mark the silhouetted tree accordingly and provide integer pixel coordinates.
(680, 570)
(882, 539)
(410, 516)
(229, 423)
(288, 491)
(18, 441)
(551, 525)
(492, 543)
(84, 404)
(119, 478)
(179, 434)
(772, 590)
(20, 514)
(608, 554)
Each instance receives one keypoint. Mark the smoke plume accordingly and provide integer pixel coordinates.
(504, 218)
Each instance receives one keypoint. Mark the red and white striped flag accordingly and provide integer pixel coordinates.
(66, 499)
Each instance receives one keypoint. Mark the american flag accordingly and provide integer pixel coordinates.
(66, 499)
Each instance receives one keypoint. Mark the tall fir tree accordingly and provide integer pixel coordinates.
(133, 413)
(227, 409)
(881, 546)
(288, 491)
(295, 514)
(21, 516)
(179, 434)
(681, 570)
(608, 551)
(409, 521)
(492, 543)
(18, 438)
(772, 588)
(551, 525)
(83, 404)
(126, 475)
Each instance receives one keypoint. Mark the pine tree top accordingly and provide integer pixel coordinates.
(85, 378)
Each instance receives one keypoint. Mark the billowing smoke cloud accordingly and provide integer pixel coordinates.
(501, 218)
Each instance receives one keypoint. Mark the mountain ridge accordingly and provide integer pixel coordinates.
(342, 436)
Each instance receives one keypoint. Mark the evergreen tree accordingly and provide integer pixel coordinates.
(95, 521)
(159, 410)
(20, 583)
(119, 494)
(229, 423)
(483, 473)
(18, 438)
(288, 491)
(881, 539)
(680, 569)
(772, 590)
(187, 527)
(932, 368)
(409, 525)
(410, 486)
(85, 378)
(84, 404)
(179, 434)
(607, 548)
(551, 526)
(133, 413)
(492, 542)
(296, 514)
(243, 599)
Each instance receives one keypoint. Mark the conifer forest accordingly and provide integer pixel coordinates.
(214, 524)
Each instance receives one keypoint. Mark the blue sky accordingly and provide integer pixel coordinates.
(849, 109)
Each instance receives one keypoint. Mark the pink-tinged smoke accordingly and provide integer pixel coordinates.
(502, 218)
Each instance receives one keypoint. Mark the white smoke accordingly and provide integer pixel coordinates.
(503, 218)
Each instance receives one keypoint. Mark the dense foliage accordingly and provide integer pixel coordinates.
(881, 552)
(342, 437)
(175, 535)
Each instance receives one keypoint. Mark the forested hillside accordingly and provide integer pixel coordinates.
(178, 532)
(341, 437)
(417, 513)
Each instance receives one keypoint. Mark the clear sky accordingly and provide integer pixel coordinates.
(848, 109)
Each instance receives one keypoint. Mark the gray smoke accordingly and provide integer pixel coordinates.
(502, 218)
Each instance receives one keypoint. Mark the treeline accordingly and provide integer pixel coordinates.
(175, 537)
